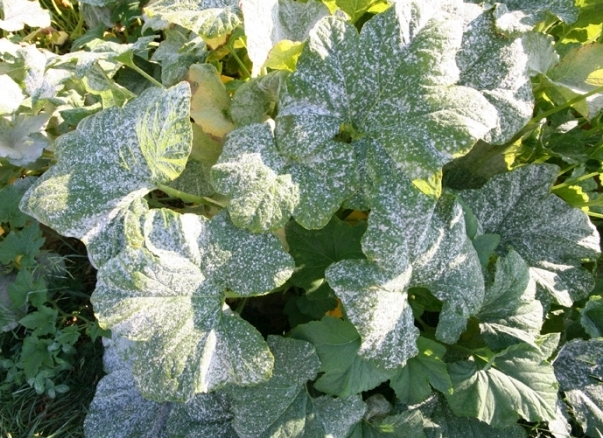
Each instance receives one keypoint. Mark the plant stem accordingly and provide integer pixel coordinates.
(187, 197)
(575, 180)
(567, 104)
(144, 74)
(243, 68)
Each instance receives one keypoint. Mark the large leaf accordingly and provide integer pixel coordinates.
(315, 250)
(579, 72)
(579, 369)
(406, 424)
(443, 423)
(518, 16)
(498, 67)
(337, 344)
(113, 158)
(552, 237)
(208, 18)
(516, 383)
(414, 381)
(591, 316)
(269, 21)
(204, 416)
(248, 172)
(376, 303)
(283, 407)
(183, 265)
(338, 105)
(510, 313)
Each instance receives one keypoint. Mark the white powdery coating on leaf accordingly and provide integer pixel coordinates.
(111, 160)
(376, 303)
(518, 206)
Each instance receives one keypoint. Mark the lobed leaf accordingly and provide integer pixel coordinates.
(548, 234)
(113, 158)
(579, 371)
(282, 407)
(182, 265)
(516, 383)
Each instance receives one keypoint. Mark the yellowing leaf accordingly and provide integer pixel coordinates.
(284, 55)
(210, 102)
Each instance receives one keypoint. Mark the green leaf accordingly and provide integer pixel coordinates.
(268, 22)
(376, 303)
(450, 268)
(549, 235)
(42, 322)
(176, 53)
(516, 383)
(337, 343)
(28, 287)
(443, 423)
(35, 355)
(10, 196)
(579, 72)
(579, 369)
(282, 406)
(113, 158)
(510, 313)
(166, 290)
(591, 316)
(205, 415)
(315, 250)
(22, 246)
(405, 424)
(413, 383)
(496, 66)
(255, 99)
(248, 172)
(337, 106)
(518, 16)
(355, 8)
(19, 13)
(208, 18)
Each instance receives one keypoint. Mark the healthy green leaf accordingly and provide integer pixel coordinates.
(405, 424)
(113, 158)
(282, 406)
(441, 422)
(510, 313)
(19, 13)
(414, 381)
(10, 196)
(315, 250)
(548, 234)
(22, 246)
(516, 383)
(591, 316)
(337, 343)
(579, 369)
(208, 18)
(166, 290)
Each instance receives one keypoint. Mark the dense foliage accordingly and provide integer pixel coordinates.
(341, 218)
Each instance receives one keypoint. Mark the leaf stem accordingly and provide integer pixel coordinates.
(238, 60)
(567, 104)
(187, 197)
(144, 74)
(575, 180)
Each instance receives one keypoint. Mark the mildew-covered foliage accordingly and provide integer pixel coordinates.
(277, 253)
